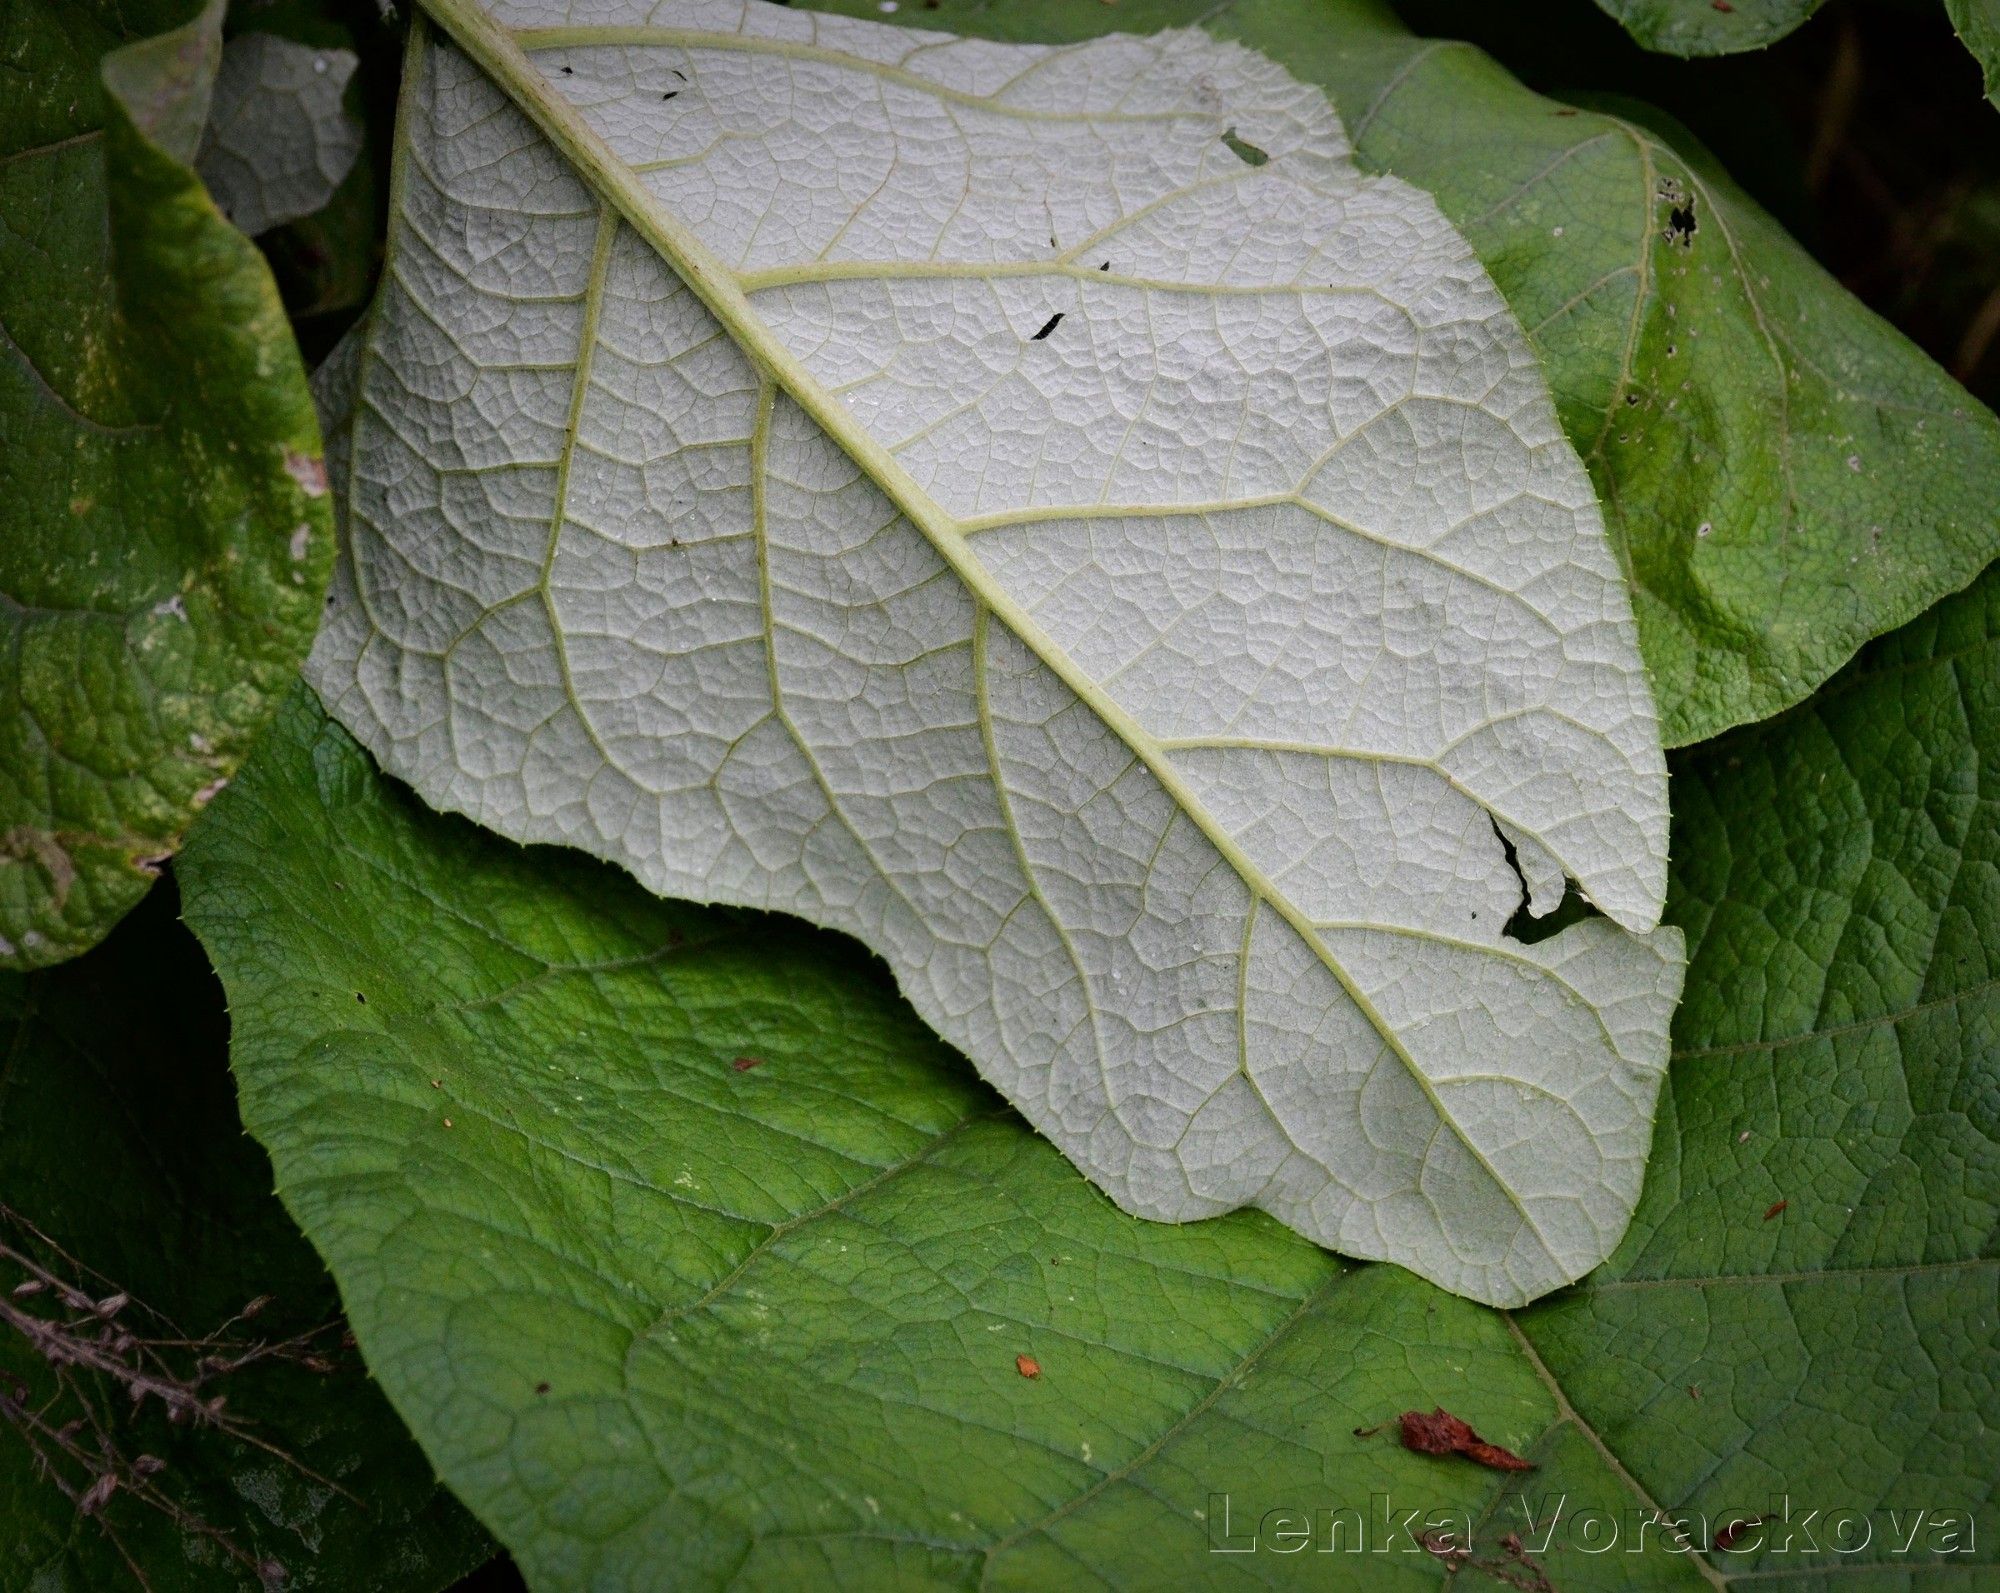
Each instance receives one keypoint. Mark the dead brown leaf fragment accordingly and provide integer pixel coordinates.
(1726, 1538)
(1441, 1433)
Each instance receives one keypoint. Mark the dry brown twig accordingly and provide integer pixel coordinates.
(99, 1343)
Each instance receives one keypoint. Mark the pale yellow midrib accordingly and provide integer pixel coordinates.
(819, 272)
(498, 53)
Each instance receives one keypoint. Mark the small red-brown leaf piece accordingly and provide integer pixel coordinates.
(1027, 1366)
(1726, 1538)
(1441, 1433)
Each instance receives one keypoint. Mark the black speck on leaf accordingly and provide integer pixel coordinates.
(1048, 326)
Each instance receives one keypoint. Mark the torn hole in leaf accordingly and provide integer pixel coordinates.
(1681, 222)
(1246, 152)
(1524, 926)
(1529, 930)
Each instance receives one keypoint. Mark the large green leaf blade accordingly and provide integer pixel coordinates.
(1978, 24)
(678, 1240)
(123, 1166)
(774, 1258)
(166, 538)
(1701, 27)
(1836, 871)
(1805, 1305)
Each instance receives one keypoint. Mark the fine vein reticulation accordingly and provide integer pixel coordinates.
(962, 494)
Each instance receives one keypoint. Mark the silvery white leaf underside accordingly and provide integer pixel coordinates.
(956, 492)
(279, 140)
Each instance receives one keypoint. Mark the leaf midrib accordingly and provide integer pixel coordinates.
(499, 54)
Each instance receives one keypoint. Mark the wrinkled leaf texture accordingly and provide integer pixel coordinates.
(164, 530)
(678, 1240)
(1142, 591)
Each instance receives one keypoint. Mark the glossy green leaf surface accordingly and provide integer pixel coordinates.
(677, 1239)
(120, 1143)
(164, 540)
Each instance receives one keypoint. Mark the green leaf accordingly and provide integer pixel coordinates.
(773, 1255)
(679, 1240)
(164, 537)
(1805, 1304)
(1701, 27)
(1978, 24)
(1786, 474)
(120, 1144)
